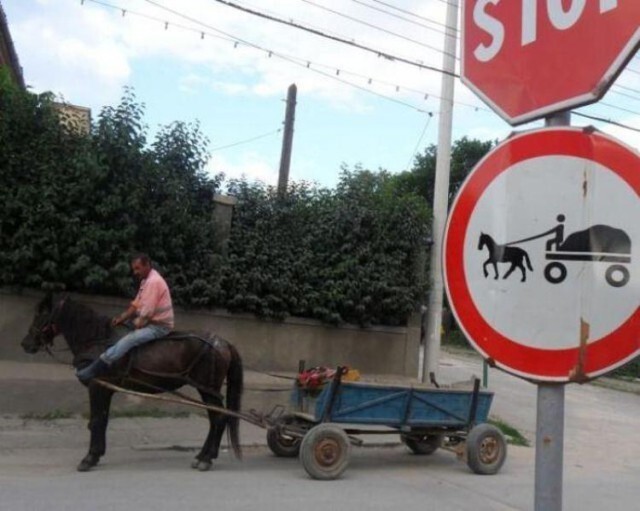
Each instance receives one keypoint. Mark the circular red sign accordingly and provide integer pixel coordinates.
(536, 154)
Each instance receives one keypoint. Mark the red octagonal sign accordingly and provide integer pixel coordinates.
(529, 58)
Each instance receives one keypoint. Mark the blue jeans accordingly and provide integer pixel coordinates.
(133, 339)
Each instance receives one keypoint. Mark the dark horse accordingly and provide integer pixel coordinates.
(162, 365)
(503, 254)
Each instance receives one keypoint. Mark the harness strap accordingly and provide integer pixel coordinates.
(184, 375)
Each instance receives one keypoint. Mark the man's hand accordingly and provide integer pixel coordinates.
(140, 322)
(117, 320)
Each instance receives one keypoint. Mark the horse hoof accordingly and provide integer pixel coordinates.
(87, 463)
(202, 466)
(195, 463)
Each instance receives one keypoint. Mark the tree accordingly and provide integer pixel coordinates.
(73, 208)
(347, 254)
(465, 153)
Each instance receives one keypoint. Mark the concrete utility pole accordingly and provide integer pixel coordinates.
(441, 196)
(287, 140)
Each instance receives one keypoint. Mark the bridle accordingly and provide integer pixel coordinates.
(49, 329)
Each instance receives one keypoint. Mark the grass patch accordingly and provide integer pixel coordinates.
(154, 413)
(629, 371)
(48, 416)
(514, 437)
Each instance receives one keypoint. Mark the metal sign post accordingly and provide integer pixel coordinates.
(550, 422)
(549, 447)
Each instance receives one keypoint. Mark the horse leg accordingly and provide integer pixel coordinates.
(524, 272)
(100, 402)
(510, 271)
(211, 445)
(484, 268)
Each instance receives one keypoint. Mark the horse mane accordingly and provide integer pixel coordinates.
(85, 326)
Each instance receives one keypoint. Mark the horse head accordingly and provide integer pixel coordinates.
(485, 240)
(44, 326)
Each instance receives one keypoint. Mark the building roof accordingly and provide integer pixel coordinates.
(8, 55)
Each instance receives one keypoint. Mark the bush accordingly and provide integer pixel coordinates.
(73, 208)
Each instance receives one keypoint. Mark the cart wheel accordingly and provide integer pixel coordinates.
(422, 444)
(555, 277)
(486, 449)
(615, 280)
(283, 445)
(324, 451)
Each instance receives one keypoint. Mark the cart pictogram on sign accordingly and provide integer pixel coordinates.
(599, 243)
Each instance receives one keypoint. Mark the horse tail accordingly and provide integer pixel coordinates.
(526, 258)
(235, 383)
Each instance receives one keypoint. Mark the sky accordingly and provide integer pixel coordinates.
(201, 60)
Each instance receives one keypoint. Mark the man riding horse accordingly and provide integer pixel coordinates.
(151, 312)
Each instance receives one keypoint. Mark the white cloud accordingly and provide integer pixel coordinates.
(87, 52)
(191, 82)
(248, 165)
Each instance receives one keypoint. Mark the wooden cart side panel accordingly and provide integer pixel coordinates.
(398, 406)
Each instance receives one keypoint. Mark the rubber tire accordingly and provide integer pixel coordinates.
(423, 446)
(281, 446)
(486, 449)
(609, 275)
(325, 452)
(555, 266)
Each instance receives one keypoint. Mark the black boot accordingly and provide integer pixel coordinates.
(95, 369)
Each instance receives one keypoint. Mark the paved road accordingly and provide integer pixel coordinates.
(38, 458)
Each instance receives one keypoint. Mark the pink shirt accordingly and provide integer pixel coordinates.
(153, 300)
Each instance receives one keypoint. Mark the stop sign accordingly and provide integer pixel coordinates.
(529, 58)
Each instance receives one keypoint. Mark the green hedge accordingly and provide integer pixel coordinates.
(73, 208)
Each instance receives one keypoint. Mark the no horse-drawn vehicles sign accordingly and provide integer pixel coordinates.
(542, 255)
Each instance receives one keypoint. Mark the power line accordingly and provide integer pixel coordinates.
(624, 94)
(415, 151)
(220, 148)
(293, 60)
(299, 26)
(375, 27)
(410, 13)
(615, 107)
(378, 9)
(306, 63)
(626, 88)
(607, 121)
(295, 21)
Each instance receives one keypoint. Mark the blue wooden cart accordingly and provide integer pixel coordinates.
(425, 418)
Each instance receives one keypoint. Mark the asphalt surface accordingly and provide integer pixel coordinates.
(38, 457)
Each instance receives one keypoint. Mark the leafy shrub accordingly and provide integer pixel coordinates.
(74, 207)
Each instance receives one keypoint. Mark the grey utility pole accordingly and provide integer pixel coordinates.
(287, 140)
(441, 196)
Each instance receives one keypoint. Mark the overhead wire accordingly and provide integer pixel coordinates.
(329, 31)
(235, 40)
(293, 60)
(246, 141)
(354, 44)
(375, 27)
(397, 16)
(424, 18)
(415, 150)
(607, 121)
